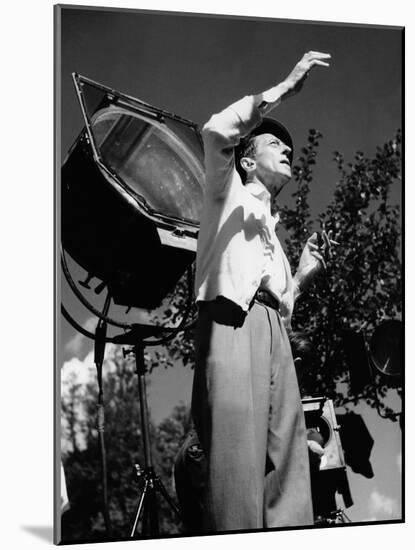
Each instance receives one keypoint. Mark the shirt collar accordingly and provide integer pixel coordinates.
(260, 192)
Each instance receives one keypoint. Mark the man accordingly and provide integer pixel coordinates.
(246, 404)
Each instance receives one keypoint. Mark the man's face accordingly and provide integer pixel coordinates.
(272, 162)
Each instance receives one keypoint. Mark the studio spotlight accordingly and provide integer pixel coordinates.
(385, 348)
(132, 190)
(381, 354)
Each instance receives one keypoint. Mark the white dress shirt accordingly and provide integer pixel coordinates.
(238, 250)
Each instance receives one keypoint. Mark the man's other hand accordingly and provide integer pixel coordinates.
(313, 258)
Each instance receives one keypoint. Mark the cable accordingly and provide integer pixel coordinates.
(124, 325)
(99, 353)
(84, 301)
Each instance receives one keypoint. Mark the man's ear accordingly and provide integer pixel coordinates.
(248, 164)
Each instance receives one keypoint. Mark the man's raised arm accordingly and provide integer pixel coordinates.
(224, 130)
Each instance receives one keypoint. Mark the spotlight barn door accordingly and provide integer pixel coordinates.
(132, 191)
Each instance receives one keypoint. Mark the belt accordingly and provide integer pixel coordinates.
(264, 297)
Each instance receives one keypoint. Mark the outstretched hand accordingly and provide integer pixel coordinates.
(295, 80)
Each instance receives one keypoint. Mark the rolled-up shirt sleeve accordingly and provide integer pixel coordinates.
(221, 134)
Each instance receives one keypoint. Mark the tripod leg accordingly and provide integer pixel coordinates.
(153, 512)
(139, 508)
(160, 487)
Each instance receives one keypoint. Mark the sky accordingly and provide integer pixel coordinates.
(195, 66)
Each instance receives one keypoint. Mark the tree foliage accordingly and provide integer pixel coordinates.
(362, 284)
(124, 448)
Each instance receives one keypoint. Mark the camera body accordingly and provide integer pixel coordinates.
(320, 416)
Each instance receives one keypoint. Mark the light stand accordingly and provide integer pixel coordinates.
(136, 337)
(99, 353)
(152, 483)
(335, 517)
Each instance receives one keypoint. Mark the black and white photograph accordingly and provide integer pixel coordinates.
(213, 174)
(229, 289)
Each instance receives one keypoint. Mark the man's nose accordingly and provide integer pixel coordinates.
(287, 152)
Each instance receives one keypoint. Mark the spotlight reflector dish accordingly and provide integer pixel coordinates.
(132, 194)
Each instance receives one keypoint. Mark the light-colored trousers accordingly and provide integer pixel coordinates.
(247, 411)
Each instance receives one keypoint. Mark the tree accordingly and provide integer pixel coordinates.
(124, 447)
(362, 285)
(84, 520)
